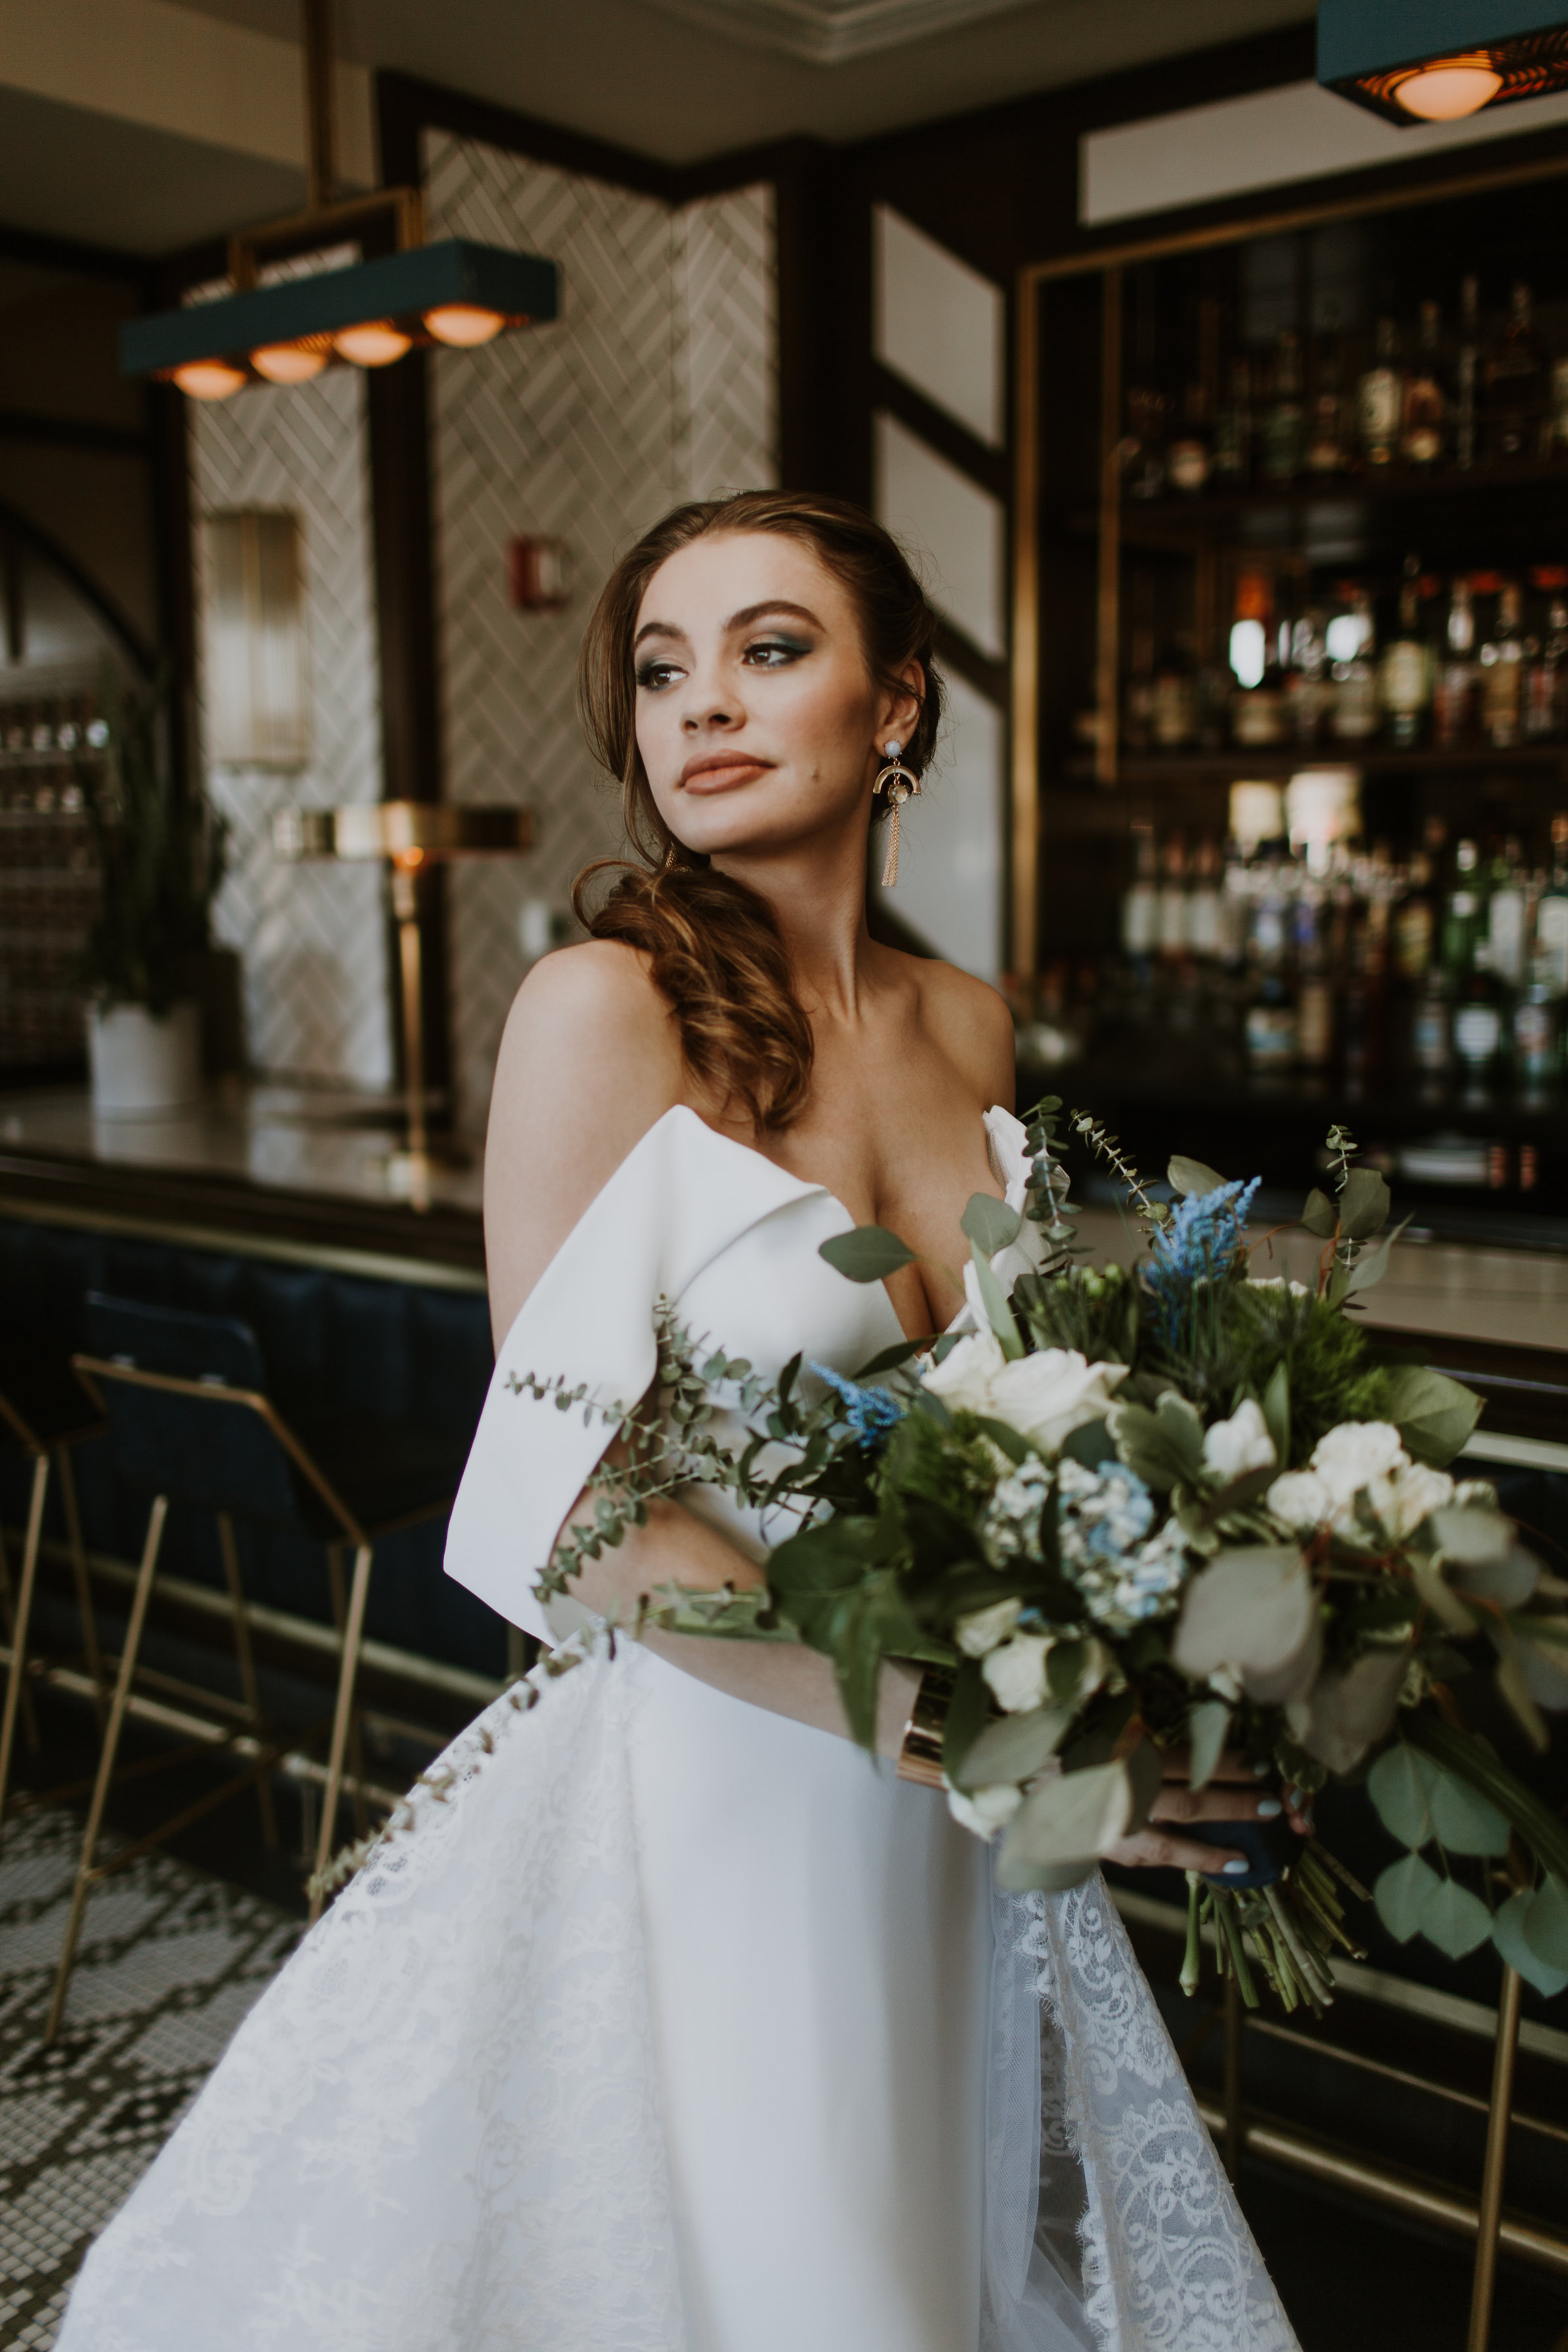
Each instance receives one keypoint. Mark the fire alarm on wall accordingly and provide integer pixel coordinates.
(536, 573)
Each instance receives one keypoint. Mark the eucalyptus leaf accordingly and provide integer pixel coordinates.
(1399, 1785)
(1433, 1415)
(1207, 1725)
(1400, 1894)
(1364, 1204)
(1277, 1411)
(1320, 1216)
(1445, 1605)
(1454, 1919)
(1091, 1444)
(1183, 1430)
(1016, 1748)
(1145, 1445)
(1470, 1535)
(1514, 1689)
(967, 1712)
(1510, 1582)
(989, 1223)
(1509, 1934)
(1069, 1818)
(1473, 1762)
(1373, 1264)
(998, 1313)
(889, 1358)
(1189, 1177)
(1252, 1606)
(1546, 1924)
(1350, 1709)
(1545, 1671)
(868, 1255)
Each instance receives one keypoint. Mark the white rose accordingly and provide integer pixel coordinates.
(1403, 1501)
(1302, 1499)
(1232, 1447)
(1351, 1456)
(983, 1629)
(965, 1379)
(1016, 1672)
(984, 1810)
(1047, 1397)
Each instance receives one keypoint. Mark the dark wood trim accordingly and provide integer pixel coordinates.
(72, 433)
(174, 569)
(989, 469)
(143, 655)
(405, 106)
(47, 252)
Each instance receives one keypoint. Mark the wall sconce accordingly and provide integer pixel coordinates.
(536, 574)
(258, 699)
(1444, 60)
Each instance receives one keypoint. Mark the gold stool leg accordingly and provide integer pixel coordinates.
(251, 1690)
(117, 1714)
(1496, 2164)
(356, 1738)
(15, 1683)
(90, 1642)
(353, 1629)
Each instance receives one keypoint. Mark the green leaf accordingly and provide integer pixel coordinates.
(1545, 1671)
(989, 1223)
(1091, 1444)
(1073, 1818)
(890, 1359)
(1207, 1725)
(1546, 1926)
(1454, 1919)
(998, 1313)
(1252, 1607)
(1364, 1204)
(1277, 1411)
(1471, 1536)
(1183, 1430)
(1471, 1760)
(967, 1711)
(1400, 1894)
(1144, 1446)
(1510, 1581)
(868, 1255)
(1514, 1689)
(1320, 1216)
(1510, 1936)
(1190, 1176)
(1433, 1414)
(1373, 1264)
(1016, 1748)
(1351, 1707)
(1398, 1785)
(1445, 1605)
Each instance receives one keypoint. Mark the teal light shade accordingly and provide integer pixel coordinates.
(520, 288)
(1368, 50)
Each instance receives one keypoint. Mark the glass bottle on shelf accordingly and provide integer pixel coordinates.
(1270, 1019)
(1329, 437)
(1431, 1032)
(1466, 376)
(1506, 900)
(1141, 900)
(1415, 922)
(1233, 431)
(1454, 694)
(1206, 902)
(1144, 450)
(1406, 673)
(1536, 1028)
(1353, 648)
(1479, 1016)
(1462, 918)
(1546, 671)
(1285, 420)
(1307, 691)
(1557, 429)
(1172, 920)
(1189, 460)
(1173, 707)
(1381, 400)
(1421, 431)
(1551, 912)
(1314, 974)
(1502, 670)
(1258, 705)
(1513, 383)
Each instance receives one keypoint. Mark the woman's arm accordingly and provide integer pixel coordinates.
(591, 1060)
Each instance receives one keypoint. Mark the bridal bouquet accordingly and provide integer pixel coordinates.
(1179, 1506)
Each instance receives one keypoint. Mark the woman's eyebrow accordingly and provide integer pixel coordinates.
(659, 629)
(743, 620)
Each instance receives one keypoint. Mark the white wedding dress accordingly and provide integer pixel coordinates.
(665, 2024)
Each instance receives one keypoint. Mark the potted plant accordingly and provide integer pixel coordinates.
(161, 854)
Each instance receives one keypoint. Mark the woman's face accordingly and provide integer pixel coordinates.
(759, 724)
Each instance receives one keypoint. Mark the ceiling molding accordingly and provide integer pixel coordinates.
(831, 32)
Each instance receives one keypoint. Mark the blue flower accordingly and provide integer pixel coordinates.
(870, 1412)
(1198, 1242)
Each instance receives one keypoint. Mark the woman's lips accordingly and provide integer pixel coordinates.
(724, 775)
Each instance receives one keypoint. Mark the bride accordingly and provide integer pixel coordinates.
(663, 2019)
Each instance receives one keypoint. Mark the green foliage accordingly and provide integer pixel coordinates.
(951, 1463)
(1093, 1309)
(1330, 1374)
(160, 852)
(870, 1254)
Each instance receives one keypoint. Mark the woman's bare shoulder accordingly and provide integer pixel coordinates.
(970, 1023)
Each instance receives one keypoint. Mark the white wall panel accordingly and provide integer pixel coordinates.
(950, 860)
(955, 531)
(940, 325)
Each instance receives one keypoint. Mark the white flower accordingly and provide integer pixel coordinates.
(1276, 1282)
(1232, 1447)
(1411, 1495)
(983, 1628)
(1047, 1397)
(1302, 1499)
(964, 1379)
(1016, 1672)
(1351, 1456)
(984, 1810)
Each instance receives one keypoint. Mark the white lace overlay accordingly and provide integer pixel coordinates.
(1163, 2260)
(439, 2128)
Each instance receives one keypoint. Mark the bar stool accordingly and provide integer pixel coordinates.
(43, 1411)
(185, 1398)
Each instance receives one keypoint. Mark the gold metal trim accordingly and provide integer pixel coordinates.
(375, 1265)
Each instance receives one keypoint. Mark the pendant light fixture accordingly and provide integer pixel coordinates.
(1439, 60)
(369, 312)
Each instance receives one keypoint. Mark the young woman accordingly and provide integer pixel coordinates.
(674, 2022)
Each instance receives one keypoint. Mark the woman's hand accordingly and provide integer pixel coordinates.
(1231, 1794)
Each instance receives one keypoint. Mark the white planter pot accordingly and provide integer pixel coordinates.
(143, 1063)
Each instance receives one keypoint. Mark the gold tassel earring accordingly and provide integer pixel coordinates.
(900, 783)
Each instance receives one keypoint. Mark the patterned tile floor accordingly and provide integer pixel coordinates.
(170, 1962)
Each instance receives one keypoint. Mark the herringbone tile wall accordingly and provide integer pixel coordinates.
(312, 937)
(657, 384)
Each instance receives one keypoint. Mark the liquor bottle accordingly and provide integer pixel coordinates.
(1173, 915)
(1329, 425)
(1431, 1032)
(1355, 712)
(1557, 434)
(1479, 1020)
(1454, 695)
(1258, 706)
(1233, 431)
(1415, 923)
(1462, 918)
(1502, 670)
(1405, 675)
(1513, 384)
(1308, 693)
(1189, 460)
(1381, 401)
(1507, 895)
(1174, 709)
(1551, 912)
(1535, 1032)
(1466, 376)
(1144, 450)
(1270, 1018)
(1285, 421)
(1310, 930)
(1421, 434)
(1206, 902)
(1546, 671)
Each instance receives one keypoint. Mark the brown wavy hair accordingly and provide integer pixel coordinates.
(714, 946)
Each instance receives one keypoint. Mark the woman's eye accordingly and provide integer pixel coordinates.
(653, 676)
(773, 653)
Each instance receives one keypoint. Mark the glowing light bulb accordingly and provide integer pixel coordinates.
(209, 379)
(376, 344)
(1449, 88)
(289, 362)
(463, 324)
